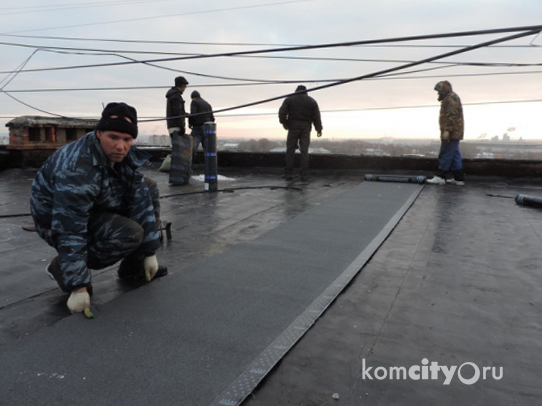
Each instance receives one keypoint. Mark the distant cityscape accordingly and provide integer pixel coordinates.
(493, 148)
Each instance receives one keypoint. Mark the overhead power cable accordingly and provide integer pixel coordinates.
(15, 73)
(305, 47)
(102, 22)
(120, 53)
(156, 42)
(529, 32)
(423, 106)
(284, 82)
(251, 44)
(327, 111)
(59, 7)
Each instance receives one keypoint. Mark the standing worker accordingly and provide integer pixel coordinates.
(451, 125)
(200, 113)
(297, 114)
(181, 143)
(92, 204)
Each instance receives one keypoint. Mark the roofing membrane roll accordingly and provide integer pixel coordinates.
(529, 200)
(396, 178)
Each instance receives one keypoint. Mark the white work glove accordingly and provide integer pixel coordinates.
(79, 301)
(445, 136)
(150, 264)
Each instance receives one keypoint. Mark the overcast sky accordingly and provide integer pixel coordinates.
(398, 106)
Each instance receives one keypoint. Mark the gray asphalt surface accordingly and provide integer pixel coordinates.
(457, 283)
(187, 337)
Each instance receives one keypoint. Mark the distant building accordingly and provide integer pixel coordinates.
(311, 150)
(36, 132)
(230, 146)
(318, 151)
(160, 140)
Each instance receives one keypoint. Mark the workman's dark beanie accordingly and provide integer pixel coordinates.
(195, 93)
(115, 118)
(180, 81)
(301, 88)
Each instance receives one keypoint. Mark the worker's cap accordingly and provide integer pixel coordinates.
(195, 93)
(180, 81)
(119, 117)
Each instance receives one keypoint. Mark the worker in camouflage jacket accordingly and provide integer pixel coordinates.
(451, 125)
(92, 204)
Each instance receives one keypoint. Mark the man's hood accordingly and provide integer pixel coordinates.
(443, 88)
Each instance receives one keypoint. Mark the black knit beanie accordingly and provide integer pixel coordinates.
(195, 93)
(114, 118)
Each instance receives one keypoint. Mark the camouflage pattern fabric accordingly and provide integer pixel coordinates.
(451, 112)
(181, 159)
(76, 186)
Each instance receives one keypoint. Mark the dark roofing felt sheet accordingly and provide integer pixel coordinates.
(184, 339)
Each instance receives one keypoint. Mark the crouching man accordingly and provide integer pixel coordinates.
(92, 204)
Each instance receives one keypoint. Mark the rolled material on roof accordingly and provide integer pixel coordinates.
(528, 200)
(396, 178)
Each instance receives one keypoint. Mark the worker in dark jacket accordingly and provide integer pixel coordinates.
(297, 114)
(200, 113)
(181, 143)
(175, 112)
(90, 202)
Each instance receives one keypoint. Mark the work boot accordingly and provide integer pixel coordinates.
(435, 180)
(287, 176)
(453, 181)
(132, 269)
(458, 178)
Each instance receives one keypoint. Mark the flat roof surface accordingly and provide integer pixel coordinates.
(456, 282)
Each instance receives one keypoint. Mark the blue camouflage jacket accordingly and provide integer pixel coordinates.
(78, 179)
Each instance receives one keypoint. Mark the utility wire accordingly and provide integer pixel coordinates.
(165, 16)
(15, 73)
(131, 41)
(421, 106)
(530, 31)
(90, 51)
(162, 42)
(20, 101)
(256, 83)
(251, 80)
(119, 53)
(60, 7)
(305, 47)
